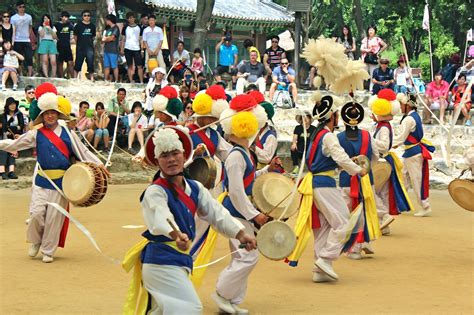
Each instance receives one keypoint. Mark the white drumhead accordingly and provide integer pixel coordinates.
(276, 240)
(78, 183)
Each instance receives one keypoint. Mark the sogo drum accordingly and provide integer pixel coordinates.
(85, 184)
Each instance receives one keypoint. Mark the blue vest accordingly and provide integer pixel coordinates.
(249, 170)
(50, 158)
(270, 132)
(417, 134)
(352, 148)
(213, 136)
(158, 253)
(321, 163)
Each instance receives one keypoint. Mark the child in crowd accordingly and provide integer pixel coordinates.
(138, 124)
(402, 77)
(11, 63)
(101, 120)
(297, 145)
(197, 65)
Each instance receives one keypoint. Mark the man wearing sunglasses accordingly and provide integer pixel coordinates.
(84, 34)
(273, 55)
(27, 100)
(283, 77)
(23, 24)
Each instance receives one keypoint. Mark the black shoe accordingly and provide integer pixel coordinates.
(12, 175)
(4, 176)
(132, 151)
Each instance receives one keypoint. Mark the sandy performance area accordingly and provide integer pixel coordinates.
(424, 267)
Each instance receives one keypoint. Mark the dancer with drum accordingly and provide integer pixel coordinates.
(330, 214)
(356, 190)
(390, 193)
(417, 152)
(170, 205)
(57, 150)
(241, 122)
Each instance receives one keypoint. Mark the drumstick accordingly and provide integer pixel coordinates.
(218, 121)
(174, 227)
(278, 204)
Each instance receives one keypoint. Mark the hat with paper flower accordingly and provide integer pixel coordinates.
(167, 102)
(48, 100)
(384, 105)
(211, 103)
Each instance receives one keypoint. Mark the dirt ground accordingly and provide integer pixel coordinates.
(425, 266)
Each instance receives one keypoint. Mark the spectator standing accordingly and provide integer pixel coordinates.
(297, 145)
(11, 63)
(23, 24)
(27, 100)
(101, 120)
(283, 77)
(449, 71)
(437, 94)
(138, 125)
(47, 46)
(371, 48)
(348, 41)
(84, 34)
(111, 47)
(180, 61)
(84, 123)
(155, 84)
(118, 104)
(251, 72)
(131, 47)
(457, 94)
(273, 54)
(402, 77)
(143, 25)
(382, 77)
(7, 29)
(65, 33)
(152, 40)
(13, 127)
(248, 44)
(197, 65)
(228, 57)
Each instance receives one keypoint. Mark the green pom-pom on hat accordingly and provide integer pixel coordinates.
(174, 107)
(268, 109)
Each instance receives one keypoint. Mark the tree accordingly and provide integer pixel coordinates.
(203, 17)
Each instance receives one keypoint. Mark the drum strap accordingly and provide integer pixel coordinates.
(55, 140)
(182, 196)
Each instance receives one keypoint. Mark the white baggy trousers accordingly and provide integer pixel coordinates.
(45, 221)
(412, 173)
(334, 217)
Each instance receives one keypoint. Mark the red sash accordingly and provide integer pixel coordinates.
(182, 196)
(55, 140)
(204, 138)
(258, 143)
(355, 187)
(251, 176)
(63, 233)
(425, 153)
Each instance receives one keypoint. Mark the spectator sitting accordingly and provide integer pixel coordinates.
(111, 47)
(130, 47)
(283, 77)
(436, 93)
(72, 122)
(248, 44)
(180, 61)
(27, 100)
(118, 105)
(382, 77)
(457, 93)
(197, 65)
(273, 54)
(251, 72)
(201, 82)
(65, 33)
(10, 65)
(297, 145)
(155, 84)
(84, 34)
(402, 77)
(13, 127)
(101, 121)
(84, 123)
(228, 58)
(47, 46)
(138, 124)
(186, 118)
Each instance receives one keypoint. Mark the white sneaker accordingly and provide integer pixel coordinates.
(319, 277)
(387, 219)
(223, 304)
(354, 256)
(367, 249)
(326, 267)
(33, 250)
(238, 310)
(47, 258)
(386, 231)
(423, 213)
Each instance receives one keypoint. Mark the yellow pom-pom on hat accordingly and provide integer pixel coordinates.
(381, 107)
(244, 125)
(64, 105)
(202, 104)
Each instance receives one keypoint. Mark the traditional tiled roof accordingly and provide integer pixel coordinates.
(244, 12)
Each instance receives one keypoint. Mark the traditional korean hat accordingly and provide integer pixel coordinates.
(211, 103)
(462, 192)
(352, 114)
(384, 105)
(407, 99)
(167, 139)
(324, 106)
(167, 102)
(48, 99)
(244, 118)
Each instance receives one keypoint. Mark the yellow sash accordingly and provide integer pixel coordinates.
(51, 174)
(370, 208)
(423, 140)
